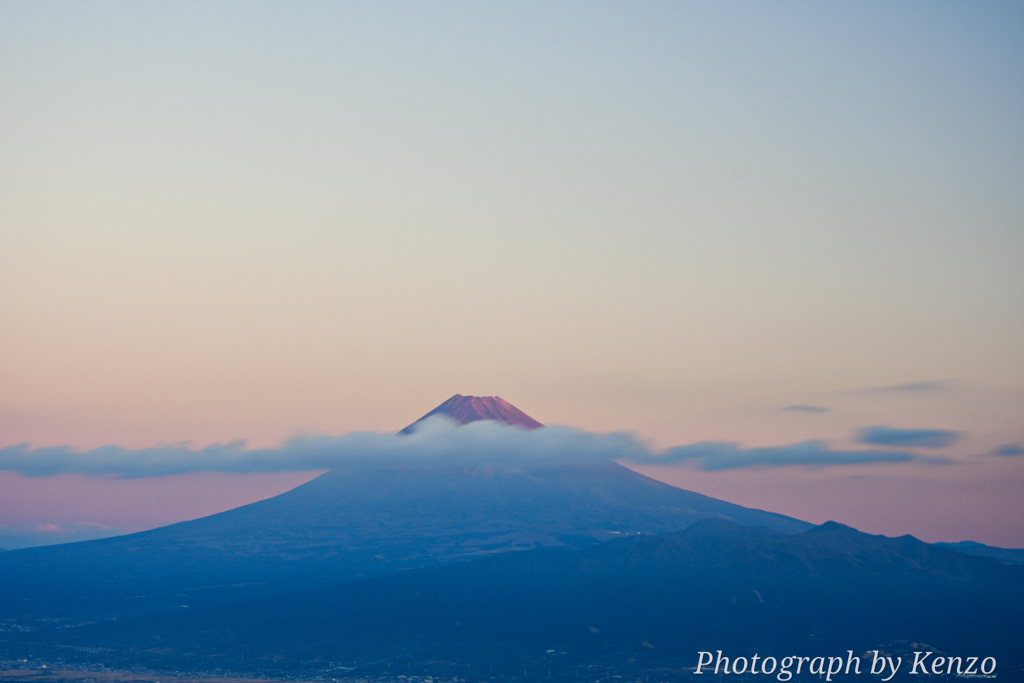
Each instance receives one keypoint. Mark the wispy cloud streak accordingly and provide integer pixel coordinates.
(801, 408)
(921, 438)
(932, 386)
(711, 456)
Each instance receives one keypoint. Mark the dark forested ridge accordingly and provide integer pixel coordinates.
(643, 601)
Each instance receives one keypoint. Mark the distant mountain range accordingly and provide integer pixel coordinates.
(1007, 555)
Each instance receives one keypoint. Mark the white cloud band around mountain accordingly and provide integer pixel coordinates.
(437, 442)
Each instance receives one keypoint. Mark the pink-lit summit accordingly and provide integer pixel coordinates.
(466, 409)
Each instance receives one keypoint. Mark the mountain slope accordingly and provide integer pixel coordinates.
(355, 522)
(351, 523)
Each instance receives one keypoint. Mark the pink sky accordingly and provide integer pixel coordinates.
(226, 222)
(972, 495)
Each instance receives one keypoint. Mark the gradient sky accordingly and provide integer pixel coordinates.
(736, 222)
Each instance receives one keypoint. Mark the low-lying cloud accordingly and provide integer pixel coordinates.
(801, 408)
(437, 442)
(920, 438)
(14, 536)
